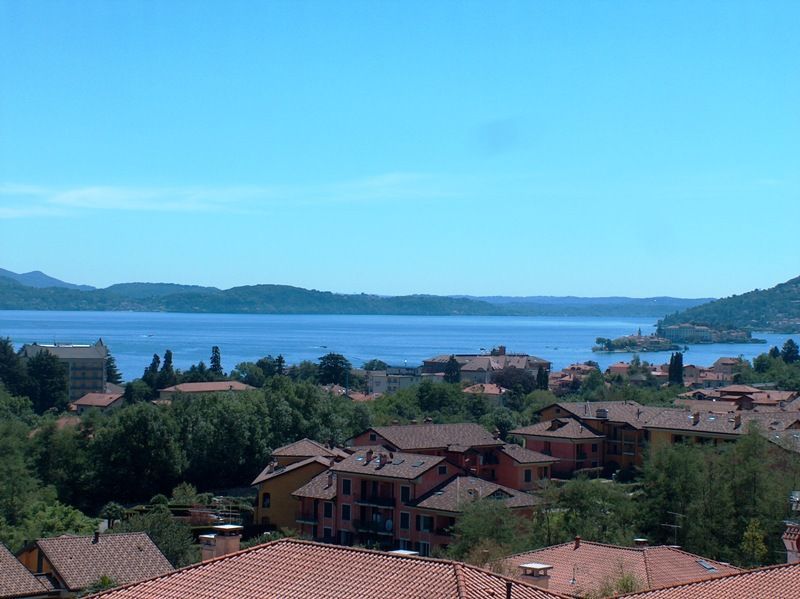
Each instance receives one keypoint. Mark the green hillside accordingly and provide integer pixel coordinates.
(776, 309)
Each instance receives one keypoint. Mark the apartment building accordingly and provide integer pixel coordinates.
(86, 364)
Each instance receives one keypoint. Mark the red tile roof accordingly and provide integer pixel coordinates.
(593, 564)
(407, 466)
(454, 494)
(294, 569)
(306, 448)
(15, 579)
(413, 437)
(522, 455)
(97, 400)
(125, 557)
(273, 471)
(775, 582)
(212, 387)
(561, 428)
(485, 389)
(322, 486)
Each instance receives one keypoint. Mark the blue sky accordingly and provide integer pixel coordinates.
(518, 148)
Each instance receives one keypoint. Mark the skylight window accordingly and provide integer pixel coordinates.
(707, 565)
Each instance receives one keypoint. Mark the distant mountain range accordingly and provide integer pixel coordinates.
(24, 292)
(775, 309)
(39, 280)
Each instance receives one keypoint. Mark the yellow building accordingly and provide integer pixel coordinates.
(275, 505)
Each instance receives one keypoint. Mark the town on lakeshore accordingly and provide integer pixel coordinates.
(488, 472)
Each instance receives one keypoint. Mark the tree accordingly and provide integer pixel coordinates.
(675, 371)
(249, 374)
(138, 391)
(166, 376)
(790, 352)
(486, 521)
(112, 511)
(753, 548)
(137, 454)
(774, 352)
(334, 368)
(375, 364)
(47, 382)
(112, 373)
(150, 374)
(174, 539)
(452, 371)
(542, 380)
(516, 378)
(216, 363)
(13, 373)
(280, 365)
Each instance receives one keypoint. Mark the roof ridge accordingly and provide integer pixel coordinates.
(460, 583)
(446, 562)
(714, 579)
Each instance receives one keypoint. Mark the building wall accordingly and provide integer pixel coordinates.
(282, 510)
(511, 473)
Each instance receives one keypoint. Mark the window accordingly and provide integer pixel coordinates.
(594, 447)
(424, 549)
(405, 494)
(346, 490)
(425, 523)
(544, 472)
(405, 520)
(373, 437)
(346, 511)
(528, 476)
(442, 469)
(265, 500)
(327, 533)
(328, 509)
(405, 544)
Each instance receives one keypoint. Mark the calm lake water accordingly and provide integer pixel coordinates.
(133, 337)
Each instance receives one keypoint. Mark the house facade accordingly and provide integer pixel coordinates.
(86, 364)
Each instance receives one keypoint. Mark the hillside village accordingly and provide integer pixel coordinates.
(400, 493)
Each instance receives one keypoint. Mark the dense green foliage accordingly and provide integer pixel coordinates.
(775, 309)
(282, 299)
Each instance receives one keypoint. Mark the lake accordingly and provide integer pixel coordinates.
(133, 337)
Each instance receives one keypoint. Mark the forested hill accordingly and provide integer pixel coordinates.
(776, 309)
(283, 299)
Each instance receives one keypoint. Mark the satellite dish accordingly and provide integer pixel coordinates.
(388, 525)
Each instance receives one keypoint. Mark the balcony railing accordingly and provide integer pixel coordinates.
(377, 500)
(372, 527)
(307, 519)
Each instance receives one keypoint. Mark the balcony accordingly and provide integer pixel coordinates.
(377, 501)
(307, 519)
(371, 527)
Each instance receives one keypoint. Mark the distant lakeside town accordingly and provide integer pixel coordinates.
(492, 459)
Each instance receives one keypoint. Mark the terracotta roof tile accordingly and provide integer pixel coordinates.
(406, 466)
(293, 569)
(306, 448)
(15, 579)
(775, 582)
(434, 436)
(318, 487)
(99, 400)
(454, 494)
(526, 456)
(562, 428)
(125, 557)
(211, 387)
(273, 471)
(593, 564)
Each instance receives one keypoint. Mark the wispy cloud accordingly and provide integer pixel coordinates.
(21, 201)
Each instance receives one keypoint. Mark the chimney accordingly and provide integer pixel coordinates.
(791, 539)
(225, 539)
(695, 418)
(640, 542)
(428, 420)
(369, 455)
(413, 421)
(536, 574)
(96, 538)
(737, 421)
(577, 542)
(330, 480)
(501, 350)
(508, 589)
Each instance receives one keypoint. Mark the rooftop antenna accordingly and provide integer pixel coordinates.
(675, 526)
